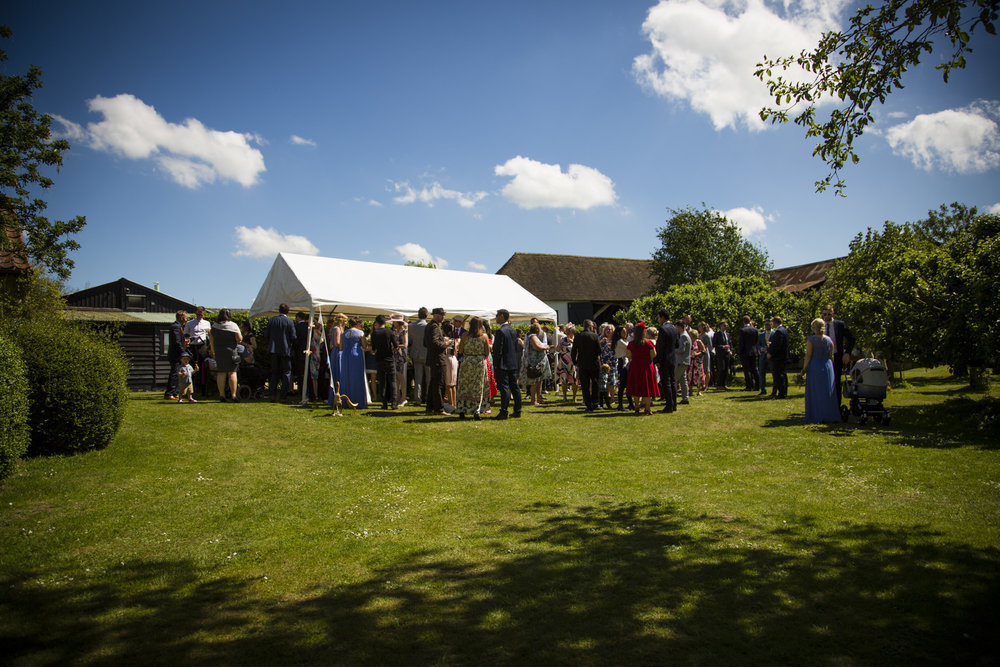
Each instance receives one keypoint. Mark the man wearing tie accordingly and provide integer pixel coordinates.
(843, 343)
(722, 353)
(505, 365)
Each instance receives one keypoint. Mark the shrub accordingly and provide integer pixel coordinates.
(13, 406)
(76, 387)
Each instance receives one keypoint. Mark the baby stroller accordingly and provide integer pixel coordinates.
(249, 379)
(866, 388)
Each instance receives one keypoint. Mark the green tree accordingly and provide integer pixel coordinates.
(26, 149)
(926, 291)
(863, 65)
(703, 245)
(728, 298)
(423, 265)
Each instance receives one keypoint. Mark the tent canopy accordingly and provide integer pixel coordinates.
(327, 285)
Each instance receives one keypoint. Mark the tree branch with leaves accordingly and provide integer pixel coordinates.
(26, 149)
(863, 65)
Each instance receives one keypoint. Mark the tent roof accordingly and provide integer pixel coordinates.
(368, 288)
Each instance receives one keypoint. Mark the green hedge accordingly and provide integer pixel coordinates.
(77, 387)
(14, 431)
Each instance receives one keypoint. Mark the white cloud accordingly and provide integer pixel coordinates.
(190, 153)
(476, 265)
(258, 242)
(993, 209)
(704, 52)
(372, 202)
(965, 141)
(366, 252)
(429, 195)
(749, 220)
(299, 141)
(538, 185)
(413, 252)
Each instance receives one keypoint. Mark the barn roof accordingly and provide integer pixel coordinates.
(576, 278)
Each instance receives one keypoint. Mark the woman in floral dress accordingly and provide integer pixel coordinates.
(565, 369)
(609, 378)
(472, 391)
(536, 357)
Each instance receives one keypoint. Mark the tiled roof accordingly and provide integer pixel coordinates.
(574, 278)
(803, 276)
(12, 262)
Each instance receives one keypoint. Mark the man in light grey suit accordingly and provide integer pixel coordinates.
(418, 353)
(682, 359)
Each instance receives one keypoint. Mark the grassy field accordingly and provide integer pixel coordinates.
(727, 532)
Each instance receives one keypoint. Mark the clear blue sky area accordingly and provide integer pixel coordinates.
(207, 137)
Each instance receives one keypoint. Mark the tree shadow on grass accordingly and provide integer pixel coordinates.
(613, 583)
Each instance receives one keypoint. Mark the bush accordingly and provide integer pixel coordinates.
(76, 387)
(14, 431)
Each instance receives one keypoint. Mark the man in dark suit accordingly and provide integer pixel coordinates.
(505, 365)
(175, 347)
(722, 352)
(436, 344)
(586, 357)
(666, 350)
(843, 343)
(383, 346)
(281, 339)
(763, 365)
(777, 352)
(301, 345)
(748, 355)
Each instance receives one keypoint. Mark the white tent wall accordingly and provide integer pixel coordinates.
(326, 285)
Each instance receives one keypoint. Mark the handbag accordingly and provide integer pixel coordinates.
(536, 370)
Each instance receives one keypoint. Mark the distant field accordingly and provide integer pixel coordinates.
(725, 533)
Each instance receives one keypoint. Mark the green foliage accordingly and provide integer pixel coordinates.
(13, 406)
(925, 292)
(33, 295)
(728, 298)
(77, 387)
(703, 245)
(864, 65)
(25, 149)
(423, 265)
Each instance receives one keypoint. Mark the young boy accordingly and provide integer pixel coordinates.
(184, 380)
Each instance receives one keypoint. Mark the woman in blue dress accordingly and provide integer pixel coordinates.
(338, 322)
(821, 394)
(352, 365)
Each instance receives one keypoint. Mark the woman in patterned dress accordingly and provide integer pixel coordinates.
(609, 378)
(565, 369)
(472, 390)
(536, 356)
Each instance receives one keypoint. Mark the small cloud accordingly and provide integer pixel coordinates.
(964, 141)
(429, 195)
(258, 242)
(476, 265)
(190, 153)
(539, 185)
(413, 252)
(366, 252)
(372, 202)
(994, 209)
(299, 141)
(749, 220)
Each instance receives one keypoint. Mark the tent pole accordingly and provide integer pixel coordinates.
(305, 362)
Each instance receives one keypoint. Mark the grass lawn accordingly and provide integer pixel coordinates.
(725, 533)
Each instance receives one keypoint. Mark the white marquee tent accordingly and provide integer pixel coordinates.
(325, 285)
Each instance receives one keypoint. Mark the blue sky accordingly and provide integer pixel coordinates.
(207, 137)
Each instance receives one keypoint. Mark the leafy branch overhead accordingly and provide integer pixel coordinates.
(864, 65)
(26, 149)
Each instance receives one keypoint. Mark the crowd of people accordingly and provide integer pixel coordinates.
(459, 367)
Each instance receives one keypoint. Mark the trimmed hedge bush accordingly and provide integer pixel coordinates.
(77, 389)
(14, 431)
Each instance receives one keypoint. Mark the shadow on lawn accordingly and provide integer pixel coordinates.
(606, 584)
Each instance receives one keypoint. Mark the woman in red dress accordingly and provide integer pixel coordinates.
(641, 373)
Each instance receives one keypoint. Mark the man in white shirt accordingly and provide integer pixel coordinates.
(197, 330)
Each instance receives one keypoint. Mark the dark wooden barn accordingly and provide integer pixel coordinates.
(146, 314)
